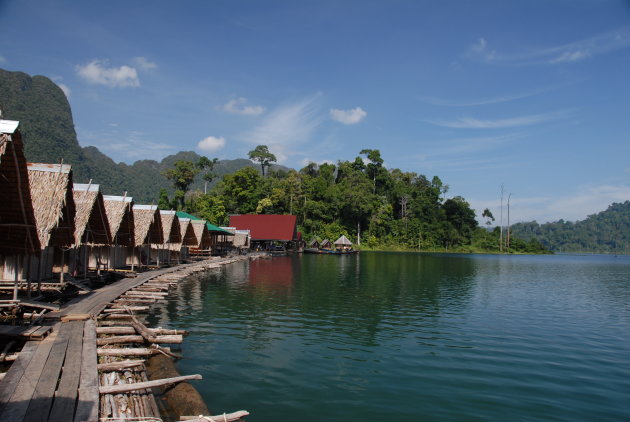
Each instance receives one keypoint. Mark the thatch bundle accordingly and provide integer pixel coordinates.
(170, 227)
(91, 224)
(53, 204)
(18, 232)
(120, 219)
(148, 225)
(188, 236)
(201, 233)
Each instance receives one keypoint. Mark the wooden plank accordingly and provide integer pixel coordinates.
(41, 332)
(41, 305)
(15, 373)
(17, 405)
(42, 399)
(66, 395)
(87, 407)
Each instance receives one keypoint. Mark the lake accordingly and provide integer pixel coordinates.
(409, 337)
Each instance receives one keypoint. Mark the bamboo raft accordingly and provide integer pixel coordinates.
(91, 365)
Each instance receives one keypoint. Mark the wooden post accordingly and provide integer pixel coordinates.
(15, 285)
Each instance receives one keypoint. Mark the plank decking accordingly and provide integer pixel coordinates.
(56, 379)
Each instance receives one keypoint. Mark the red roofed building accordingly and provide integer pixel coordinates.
(267, 227)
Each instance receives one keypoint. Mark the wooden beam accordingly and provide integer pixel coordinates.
(125, 388)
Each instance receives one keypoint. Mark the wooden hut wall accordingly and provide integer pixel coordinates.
(18, 230)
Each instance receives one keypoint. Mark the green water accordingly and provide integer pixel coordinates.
(410, 337)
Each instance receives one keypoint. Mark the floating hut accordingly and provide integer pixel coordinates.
(171, 230)
(148, 230)
(53, 204)
(91, 226)
(18, 229)
(343, 243)
(121, 224)
(240, 242)
(188, 238)
(314, 243)
(203, 238)
(326, 244)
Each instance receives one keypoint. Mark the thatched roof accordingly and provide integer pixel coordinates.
(53, 203)
(120, 218)
(91, 225)
(18, 228)
(343, 240)
(170, 227)
(201, 233)
(189, 238)
(241, 238)
(148, 225)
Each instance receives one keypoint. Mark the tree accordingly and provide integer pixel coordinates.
(163, 202)
(262, 155)
(487, 214)
(208, 165)
(182, 176)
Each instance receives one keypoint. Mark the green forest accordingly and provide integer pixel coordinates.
(388, 208)
(605, 232)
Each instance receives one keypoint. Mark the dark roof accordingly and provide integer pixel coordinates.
(266, 226)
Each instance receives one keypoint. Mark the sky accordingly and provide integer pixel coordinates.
(531, 96)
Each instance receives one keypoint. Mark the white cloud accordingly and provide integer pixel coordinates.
(480, 51)
(144, 64)
(348, 117)
(98, 72)
(238, 106)
(3, 59)
(473, 123)
(568, 53)
(66, 90)
(287, 127)
(211, 144)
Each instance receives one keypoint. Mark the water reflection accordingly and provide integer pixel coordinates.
(418, 336)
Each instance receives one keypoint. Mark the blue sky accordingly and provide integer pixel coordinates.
(531, 95)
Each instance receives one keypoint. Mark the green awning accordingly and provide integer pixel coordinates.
(211, 227)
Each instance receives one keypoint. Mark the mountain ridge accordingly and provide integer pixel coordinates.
(47, 128)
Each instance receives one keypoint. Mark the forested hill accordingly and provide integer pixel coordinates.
(604, 232)
(49, 136)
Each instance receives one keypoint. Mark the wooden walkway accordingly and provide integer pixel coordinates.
(56, 379)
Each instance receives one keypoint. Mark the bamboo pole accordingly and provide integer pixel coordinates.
(217, 418)
(171, 339)
(117, 366)
(125, 388)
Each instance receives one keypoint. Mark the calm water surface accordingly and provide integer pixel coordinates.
(410, 337)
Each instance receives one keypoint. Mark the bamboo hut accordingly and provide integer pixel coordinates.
(91, 226)
(188, 238)
(121, 225)
(18, 229)
(147, 230)
(172, 237)
(53, 204)
(204, 240)
(326, 244)
(343, 243)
